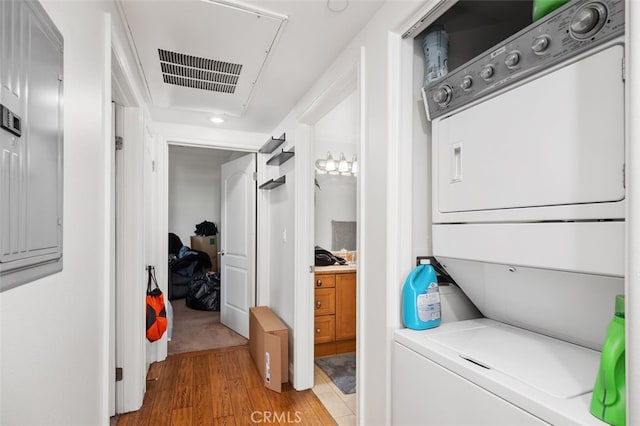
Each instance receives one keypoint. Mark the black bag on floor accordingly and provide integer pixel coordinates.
(204, 292)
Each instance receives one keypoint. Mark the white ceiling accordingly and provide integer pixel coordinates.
(282, 45)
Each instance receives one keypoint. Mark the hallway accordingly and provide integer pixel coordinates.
(220, 387)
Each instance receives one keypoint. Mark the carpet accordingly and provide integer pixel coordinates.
(199, 330)
(341, 369)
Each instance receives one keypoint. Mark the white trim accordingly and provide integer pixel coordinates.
(304, 214)
(361, 243)
(124, 74)
(263, 236)
(210, 143)
(424, 17)
(303, 350)
(632, 282)
(109, 361)
(399, 185)
(131, 42)
(131, 275)
(130, 352)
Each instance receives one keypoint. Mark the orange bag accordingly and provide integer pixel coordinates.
(156, 313)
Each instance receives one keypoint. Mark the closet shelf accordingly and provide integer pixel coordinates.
(273, 183)
(280, 157)
(272, 144)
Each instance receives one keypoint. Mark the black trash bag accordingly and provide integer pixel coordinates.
(206, 228)
(326, 258)
(203, 292)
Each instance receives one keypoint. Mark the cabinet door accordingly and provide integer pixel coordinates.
(325, 303)
(345, 306)
(324, 330)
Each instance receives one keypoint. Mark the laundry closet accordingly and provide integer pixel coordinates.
(524, 146)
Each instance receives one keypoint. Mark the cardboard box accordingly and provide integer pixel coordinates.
(269, 346)
(209, 245)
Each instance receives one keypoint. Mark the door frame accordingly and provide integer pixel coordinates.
(126, 344)
(303, 347)
(262, 284)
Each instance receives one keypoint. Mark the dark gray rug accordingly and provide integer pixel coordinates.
(341, 369)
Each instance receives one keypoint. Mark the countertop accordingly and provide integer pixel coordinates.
(349, 267)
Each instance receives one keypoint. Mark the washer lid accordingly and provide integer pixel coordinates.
(558, 368)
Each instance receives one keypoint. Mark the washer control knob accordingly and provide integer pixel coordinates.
(540, 44)
(588, 20)
(466, 83)
(512, 59)
(442, 96)
(487, 72)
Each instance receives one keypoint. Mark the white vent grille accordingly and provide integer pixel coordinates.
(198, 73)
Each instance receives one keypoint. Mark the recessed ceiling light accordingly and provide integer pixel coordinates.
(217, 120)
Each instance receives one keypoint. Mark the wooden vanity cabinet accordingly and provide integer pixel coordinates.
(335, 312)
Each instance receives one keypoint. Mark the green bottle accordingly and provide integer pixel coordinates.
(608, 402)
(543, 7)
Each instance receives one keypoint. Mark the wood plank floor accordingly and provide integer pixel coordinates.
(220, 387)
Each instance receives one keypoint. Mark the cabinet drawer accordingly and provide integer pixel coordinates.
(324, 329)
(323, 281)
(325, 301)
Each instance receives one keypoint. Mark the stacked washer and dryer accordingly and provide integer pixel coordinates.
(528, 160)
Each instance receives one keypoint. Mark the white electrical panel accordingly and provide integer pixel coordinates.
(31, 141)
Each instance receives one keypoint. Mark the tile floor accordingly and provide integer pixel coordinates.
(341, 407)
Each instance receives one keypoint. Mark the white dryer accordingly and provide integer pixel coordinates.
(528, 218)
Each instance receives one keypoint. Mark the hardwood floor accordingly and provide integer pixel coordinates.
(220, 387)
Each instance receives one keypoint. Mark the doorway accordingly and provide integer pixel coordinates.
(195, 193)
(349, 82)
(335, 213)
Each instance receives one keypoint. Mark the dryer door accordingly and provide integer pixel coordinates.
(556, 140)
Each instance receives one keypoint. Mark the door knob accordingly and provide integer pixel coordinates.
(318, 305)
(221, 252)
(317, 330)
(319, 283)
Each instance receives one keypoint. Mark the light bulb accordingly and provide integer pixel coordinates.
(330, 164)
(354, 165)
(343, 166)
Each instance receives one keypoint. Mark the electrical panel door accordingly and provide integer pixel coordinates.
(31, 73)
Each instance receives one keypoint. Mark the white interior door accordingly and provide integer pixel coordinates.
(238, 243)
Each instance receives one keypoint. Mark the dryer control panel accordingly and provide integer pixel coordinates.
(566, 32)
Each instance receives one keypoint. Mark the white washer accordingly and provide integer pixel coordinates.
(483, 372)
(528, 218)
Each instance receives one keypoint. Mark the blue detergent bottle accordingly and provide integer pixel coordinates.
(421, 299)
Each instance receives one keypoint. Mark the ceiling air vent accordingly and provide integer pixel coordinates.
(198, 73)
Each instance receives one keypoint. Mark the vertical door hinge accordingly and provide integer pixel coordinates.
(118, 374)
(119, 143)
(59, 77)
(255, 176)
(311, 269)
(623, 69)
(624, 175)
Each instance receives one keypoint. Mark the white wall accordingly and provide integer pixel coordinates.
(377, 328)
(54, 331)
(194, 188)
(336, 132)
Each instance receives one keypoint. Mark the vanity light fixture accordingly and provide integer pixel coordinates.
(342, 167)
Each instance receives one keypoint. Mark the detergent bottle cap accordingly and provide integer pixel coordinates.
(620, 305)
